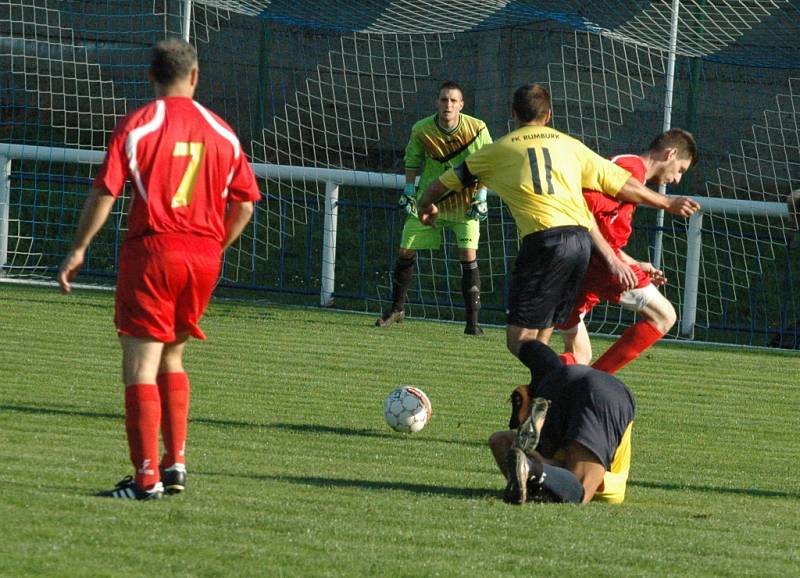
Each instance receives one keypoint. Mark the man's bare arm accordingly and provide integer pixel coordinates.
(635, 192)
(236, 219)
(426, 208)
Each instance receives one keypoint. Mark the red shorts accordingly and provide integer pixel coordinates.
(164, 285)
(599, 285)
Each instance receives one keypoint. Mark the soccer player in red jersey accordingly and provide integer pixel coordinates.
(665, 161)
(193, 194)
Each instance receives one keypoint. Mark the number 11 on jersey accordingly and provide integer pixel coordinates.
(546, 163)
(194, 150)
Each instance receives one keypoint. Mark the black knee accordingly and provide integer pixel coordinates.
(404, 270)
(539, 358)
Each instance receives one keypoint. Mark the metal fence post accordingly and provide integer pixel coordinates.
(694, 252)
(328, 281)
(5, 204)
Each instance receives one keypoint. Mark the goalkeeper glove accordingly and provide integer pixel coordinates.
(407, 200)
(479, 209)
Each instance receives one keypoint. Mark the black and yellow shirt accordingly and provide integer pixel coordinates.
(540, 174)
(432, 150)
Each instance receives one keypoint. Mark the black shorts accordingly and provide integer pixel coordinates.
(547, 275)
(588, 406)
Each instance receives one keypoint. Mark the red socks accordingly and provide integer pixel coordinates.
(174, 389)
(567, 358)
(630, 344)
(142, 417)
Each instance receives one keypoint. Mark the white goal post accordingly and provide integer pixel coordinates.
(334, 178)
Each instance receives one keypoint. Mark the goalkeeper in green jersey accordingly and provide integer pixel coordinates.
(440, 142)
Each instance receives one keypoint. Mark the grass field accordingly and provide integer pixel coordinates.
(294, 473)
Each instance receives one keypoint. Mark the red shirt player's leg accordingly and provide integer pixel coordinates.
(635, 339)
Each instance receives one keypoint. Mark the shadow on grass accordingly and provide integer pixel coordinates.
(42, 410)
(298, 428)
(320, 482)
(311, 429)
(714, 489)
(346, 431)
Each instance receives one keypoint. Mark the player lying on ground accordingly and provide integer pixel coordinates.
(664, 162)
(573, 442)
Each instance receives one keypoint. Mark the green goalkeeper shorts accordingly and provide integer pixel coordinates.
(419, 236)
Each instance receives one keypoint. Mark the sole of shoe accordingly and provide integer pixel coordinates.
(174, 481)
(530, 429)
(517, 488)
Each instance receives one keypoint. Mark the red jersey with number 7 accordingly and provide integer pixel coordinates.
(184, 163)
(615, 217)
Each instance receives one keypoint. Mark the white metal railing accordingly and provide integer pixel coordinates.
(694, 246)
(333, 178)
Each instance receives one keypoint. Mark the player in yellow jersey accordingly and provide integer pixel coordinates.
(438, 143)
(540, 174)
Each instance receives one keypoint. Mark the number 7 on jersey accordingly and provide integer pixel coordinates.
(194, 150)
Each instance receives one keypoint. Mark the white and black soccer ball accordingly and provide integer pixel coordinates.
(407, 409)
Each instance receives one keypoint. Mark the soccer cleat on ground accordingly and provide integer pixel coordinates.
(529, 430)
(126, 490)
(174, 478)
(473, 330)
(516, 491)
(390, 316)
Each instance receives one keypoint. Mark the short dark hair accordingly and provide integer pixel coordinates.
(677, 138)
(531, 102)
(171, 60)
(451, 85)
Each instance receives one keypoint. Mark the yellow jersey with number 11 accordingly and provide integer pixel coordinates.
(540, 174)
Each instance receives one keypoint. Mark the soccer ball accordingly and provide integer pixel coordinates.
(407, 409)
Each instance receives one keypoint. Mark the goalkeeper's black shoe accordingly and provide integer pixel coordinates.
(174, 479)
(126, 490)
(517, 469)
(473, 329)
(389, 317)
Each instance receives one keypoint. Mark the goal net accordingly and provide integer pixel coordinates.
(335, 84)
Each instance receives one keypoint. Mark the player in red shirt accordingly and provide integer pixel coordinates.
(192, 195)
(665, 161)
